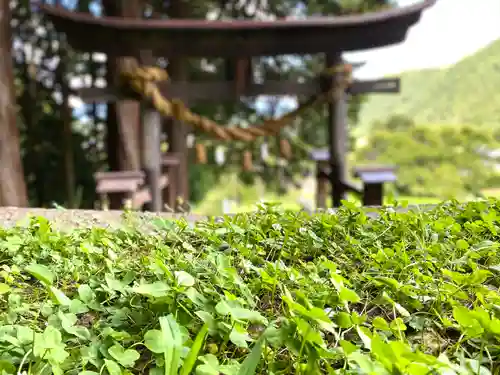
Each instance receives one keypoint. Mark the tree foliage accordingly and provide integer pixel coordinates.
(56, 147)
(442, 161)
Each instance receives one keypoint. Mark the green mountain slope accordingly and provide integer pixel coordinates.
(465, 93)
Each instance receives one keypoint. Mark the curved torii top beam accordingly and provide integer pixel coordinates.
(235, 38)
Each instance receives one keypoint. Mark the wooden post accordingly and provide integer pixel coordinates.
(337, 129)
(123, 120)
(177, 131)
(374, 178)
(177, 134)
(321, 184)
(151, 155)
(373, 194)
(170, 163)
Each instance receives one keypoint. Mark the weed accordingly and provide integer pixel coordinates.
(272, 292)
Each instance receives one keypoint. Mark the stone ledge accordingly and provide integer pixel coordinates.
(65, 219)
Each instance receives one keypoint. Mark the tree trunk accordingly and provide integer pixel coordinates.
(12, 185)
(67, 133)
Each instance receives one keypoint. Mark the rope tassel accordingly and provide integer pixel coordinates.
(285, 149)
(247, 161)
(201, 154)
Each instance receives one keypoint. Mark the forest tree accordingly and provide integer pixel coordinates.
(12, 185)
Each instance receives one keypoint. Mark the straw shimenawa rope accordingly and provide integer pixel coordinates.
(142, 80)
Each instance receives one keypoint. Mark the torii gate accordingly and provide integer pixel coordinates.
(240, 40)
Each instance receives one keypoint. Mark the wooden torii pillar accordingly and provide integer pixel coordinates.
(331, 167)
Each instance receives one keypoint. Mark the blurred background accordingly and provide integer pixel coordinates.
(442, 130)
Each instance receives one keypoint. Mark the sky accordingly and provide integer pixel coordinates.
(446, 33)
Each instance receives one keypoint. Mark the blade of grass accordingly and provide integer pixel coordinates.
(249, 365)
(173, 338)
(192, 356)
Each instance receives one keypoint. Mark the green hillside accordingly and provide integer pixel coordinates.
(465, 93)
